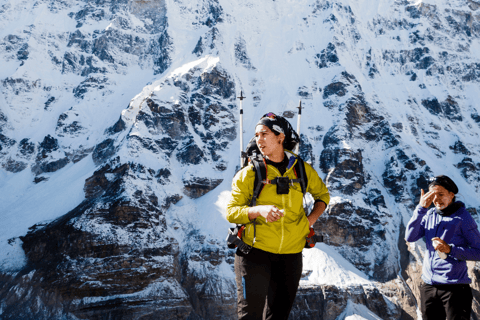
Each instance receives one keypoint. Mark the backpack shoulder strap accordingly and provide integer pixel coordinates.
(301, 174)
(260, 168)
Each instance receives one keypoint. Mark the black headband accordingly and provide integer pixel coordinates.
(445, 182)
(273, 122)
(279, 124)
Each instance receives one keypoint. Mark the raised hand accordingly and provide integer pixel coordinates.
(426, 199)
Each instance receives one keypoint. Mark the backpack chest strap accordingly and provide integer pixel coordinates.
(289, 181)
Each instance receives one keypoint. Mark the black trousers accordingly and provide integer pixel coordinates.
(267, 284)
(449, 301)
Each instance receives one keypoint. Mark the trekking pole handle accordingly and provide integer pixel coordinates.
(241, 127)
(297, 148)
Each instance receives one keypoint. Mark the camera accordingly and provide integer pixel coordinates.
(283, 185)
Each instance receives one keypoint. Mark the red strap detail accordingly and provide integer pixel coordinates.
(240, 232)
(312, 233)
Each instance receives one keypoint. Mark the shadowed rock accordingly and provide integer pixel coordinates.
(197, 187)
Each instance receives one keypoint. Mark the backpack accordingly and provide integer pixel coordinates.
(235, 235)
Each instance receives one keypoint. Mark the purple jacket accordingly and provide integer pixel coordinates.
(459, 230)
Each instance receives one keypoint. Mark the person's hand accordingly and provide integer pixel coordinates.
(426, 199)
(442, 246)
(270, 213)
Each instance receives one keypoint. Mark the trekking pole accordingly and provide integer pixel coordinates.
(241, 128)
(298, 124)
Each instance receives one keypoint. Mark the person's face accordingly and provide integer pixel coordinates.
(442, 197)
(267, 141)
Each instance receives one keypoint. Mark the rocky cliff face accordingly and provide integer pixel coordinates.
(118, 137)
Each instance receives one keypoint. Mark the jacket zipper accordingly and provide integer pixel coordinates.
(283, 203)
(436, 226)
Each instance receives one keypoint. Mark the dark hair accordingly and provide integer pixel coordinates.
(445, 182)
(279, 124)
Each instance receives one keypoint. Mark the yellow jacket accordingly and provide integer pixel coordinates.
(288, 234)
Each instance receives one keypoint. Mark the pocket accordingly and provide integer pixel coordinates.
(306, 227)
(293, 202)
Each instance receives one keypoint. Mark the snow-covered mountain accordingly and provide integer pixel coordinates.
(119, 137)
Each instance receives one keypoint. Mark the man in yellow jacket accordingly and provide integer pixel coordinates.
(268, 276)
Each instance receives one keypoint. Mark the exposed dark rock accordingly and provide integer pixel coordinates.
(26, 148)
(45, 162)
(475, 117)
(398, 126)
(327, 57)
(79, 154)
(88, 85)
(405, 160)
(449, 108)
(48, 145)
(75, 258)
(49, 102)
(40, 179)
(394, 179)
(162, 58)
(241, 56)
(14, 166)
(101, 50)
(6, 142)
(197, 187)
(329, 302)
(355, 231)
(169, 120)
(167, 145)
(198, 50)
(206, 42)
(87, 68)
(288, 114)
(22, 53)
(332, 137)
(171, 200)
(215, 12)
(304, 93)
(52, 166)
(103, 151)
(359, 114)
(425, 63)
(306, 150)
(344, 169)
(218, 83)
(375, 198)
(117, 127)
(337, 88)
(77, 38)
(221, 166)
(103, 180)
(459, 147)
(3, 121)
(468, 168)
(190, 153)
(138, 143)
(70, 129)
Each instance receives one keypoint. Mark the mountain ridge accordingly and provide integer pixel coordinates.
(130, 108)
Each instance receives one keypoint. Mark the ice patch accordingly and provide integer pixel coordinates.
(322, 265)
(355, 311)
